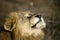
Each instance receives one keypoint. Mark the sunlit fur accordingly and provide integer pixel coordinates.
(22, 26)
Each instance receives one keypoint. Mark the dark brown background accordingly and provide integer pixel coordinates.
(49, 9)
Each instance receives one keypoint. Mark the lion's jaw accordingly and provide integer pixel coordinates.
(26, 30)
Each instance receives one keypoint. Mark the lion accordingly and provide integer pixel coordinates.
(25, 25)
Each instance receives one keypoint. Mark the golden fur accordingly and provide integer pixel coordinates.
(21, 26)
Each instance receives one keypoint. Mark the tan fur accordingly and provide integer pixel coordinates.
(22, 27)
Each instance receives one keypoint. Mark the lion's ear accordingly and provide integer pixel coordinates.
(8, 27)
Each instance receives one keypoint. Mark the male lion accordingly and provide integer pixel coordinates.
(25, 25)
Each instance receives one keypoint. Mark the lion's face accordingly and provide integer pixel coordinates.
(26, 24)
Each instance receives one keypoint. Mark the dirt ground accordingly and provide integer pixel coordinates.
(49, 9)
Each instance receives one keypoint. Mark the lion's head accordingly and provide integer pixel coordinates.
(25, 25)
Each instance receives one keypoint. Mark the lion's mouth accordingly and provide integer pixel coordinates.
(39, 22)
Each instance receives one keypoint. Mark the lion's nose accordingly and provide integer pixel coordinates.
(38, 16)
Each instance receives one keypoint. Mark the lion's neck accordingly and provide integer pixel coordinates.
(31, 35)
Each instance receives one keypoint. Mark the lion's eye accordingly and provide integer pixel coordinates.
(29, 17)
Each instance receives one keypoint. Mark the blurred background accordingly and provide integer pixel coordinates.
(49, 9)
